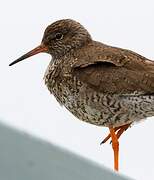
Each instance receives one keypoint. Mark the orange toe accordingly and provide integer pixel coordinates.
(120, 129)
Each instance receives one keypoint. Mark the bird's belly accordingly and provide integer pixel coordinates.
(109, 110)
(98, 109)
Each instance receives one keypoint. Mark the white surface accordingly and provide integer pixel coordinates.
(26, 103)
(27, 158)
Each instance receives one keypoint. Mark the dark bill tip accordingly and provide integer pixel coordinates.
(36, 50)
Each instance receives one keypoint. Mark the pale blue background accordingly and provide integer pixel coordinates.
(25, 101)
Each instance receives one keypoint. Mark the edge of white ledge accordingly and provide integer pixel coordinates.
(25, 157)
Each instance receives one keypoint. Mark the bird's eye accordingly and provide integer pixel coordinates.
(58, 36)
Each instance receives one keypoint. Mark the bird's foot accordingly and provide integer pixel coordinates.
(115, 134)
(119, 131)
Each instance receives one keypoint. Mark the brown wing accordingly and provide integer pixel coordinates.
(121, 72)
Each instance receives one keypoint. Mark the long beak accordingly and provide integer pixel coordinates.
(37, 50)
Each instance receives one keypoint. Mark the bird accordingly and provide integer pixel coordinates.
(99, 84)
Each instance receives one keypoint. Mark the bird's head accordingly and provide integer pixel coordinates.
(59, 38)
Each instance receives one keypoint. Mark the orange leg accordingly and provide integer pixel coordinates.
(108, 136)
(120, 130)
(115, 146)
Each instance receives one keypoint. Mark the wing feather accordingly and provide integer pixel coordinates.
(116, 73)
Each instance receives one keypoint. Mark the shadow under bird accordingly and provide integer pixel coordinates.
(99, 84)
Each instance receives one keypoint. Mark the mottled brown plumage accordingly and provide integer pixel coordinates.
(99, 84)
